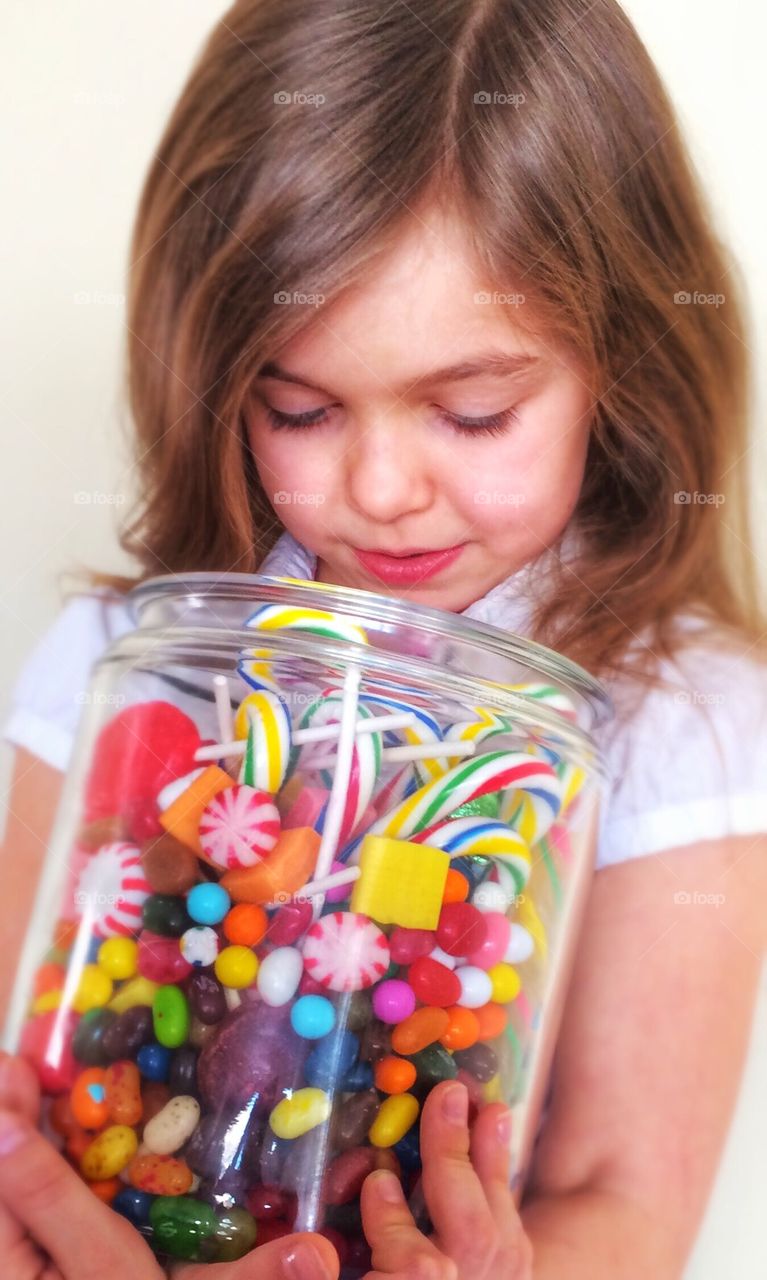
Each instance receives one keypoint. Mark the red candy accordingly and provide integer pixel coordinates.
(406, 945)
(289, 923)
(461, 928)
(141, 750)
(46, 1043)
(433, 982)
(160, 958)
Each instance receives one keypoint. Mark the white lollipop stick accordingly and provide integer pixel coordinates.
(319, 733)
(223, 707)
(341, 777)
(418, 751)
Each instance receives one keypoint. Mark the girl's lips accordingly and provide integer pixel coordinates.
(407, 570)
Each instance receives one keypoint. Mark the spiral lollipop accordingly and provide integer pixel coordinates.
(320, 622)
(269, 734)
(571, 777)
(256, 670)
(485, 724)
(531, 810)
(548, 695)
(426, 729)
(472, 836)
(366, 758)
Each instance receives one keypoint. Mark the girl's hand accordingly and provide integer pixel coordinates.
(52, 1227)
(478, 1234)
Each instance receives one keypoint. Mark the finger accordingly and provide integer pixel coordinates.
(397, 1246)
(490, 1152)
(43, 1193)
(302, 1256)
(455, 1197)
(19, 1087)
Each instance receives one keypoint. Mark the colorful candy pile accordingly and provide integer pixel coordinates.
(235, 1005)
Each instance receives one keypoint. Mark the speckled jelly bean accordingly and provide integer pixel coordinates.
(395, 1116)
(167, 1132)
(122, 1085)
(432, 982)
(206, 997)
(421, 1028)
(506, 983)
(181, 1225)
(279, 975)
(165, 914)
(109, 1153)
(375, 1041)
(88, 1099)
(118, 957)
(236, 967)
(170, 1012)
(208, 903)
(476, 986)
(199, 946)
(312, 1017)
(302, 1111)
(352, 1121)
(461, 928)
(153, 1061)
(393, 1000)
(160, 1175)
(94, 989)
(480, 1061)
(493, 949)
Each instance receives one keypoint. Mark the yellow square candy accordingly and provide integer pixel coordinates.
(400, 882)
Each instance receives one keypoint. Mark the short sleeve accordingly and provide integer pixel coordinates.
(49, 693)
(690, 763)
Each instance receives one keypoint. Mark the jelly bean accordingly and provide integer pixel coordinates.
(106, 1190)
(173, 1126)
(480, 1061)
(462, 1029)
(476, 986)
(182, 1225)
(160, 959)
(492, 1019)
(235, 1235)
(77, 1143)
(432, 982)
(247, 923)
(346, 1173)
(493, 949)
(134, 1205)
(199, 945)
(169, 866)
(109, 1153)
(135, 991)
(456, 887)
(461, 928)
(92, 953)
(279, 975)
(236, 967)
(125, 1034)
(375, 1041)
(160, 1175)
(206, 997)
(208, 903)
(47, 1001)
(49, 977)
(94, 989)
(408, 1151)
(302, 1111)
(432, 1065)
(394, 1075)
(92, 835)
(142, 816)
(165, 914)
(170, 1012)
(396, 1115)
(88, 1100)
(507, 983)
(312, 1016)
(359, 1077)
(183, 1071)
(153, 1061)
(87, 1042)
(473, 1088)
(492, 1091)
(201, 1032)
(406, 945)
(60, 1115)
(154, 1095)
(331, 1058)
(422, 1028)
(273, 1231)
(266, 1203)
(352, 1121)
(393, 1000)
(122, 1083)
(57, 1069)
(118, 957)
(358, 1010)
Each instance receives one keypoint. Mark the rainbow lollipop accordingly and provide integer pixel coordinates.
(461, 837)
(269, 735)
(365, 761)
(426, 729)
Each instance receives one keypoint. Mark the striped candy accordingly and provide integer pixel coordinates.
(472, 836)
(268, 733)
(239, 827)
(111, 890)
(319, 622)
(345, 951)
(366, 757)
(426, 729)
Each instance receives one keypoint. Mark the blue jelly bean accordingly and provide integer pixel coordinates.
(358, 1077)
(312, 1017)
(208, 903)
(94, 946)
(408, 1150)
(330, 1060)
(134, 1205)
(153, 1061)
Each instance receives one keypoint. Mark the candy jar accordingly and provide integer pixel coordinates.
(317, 850)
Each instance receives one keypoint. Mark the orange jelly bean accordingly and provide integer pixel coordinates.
(492, 1020)
(88, 1099)
(422, 1028)
(160, 1175)
(49, 977)
(456, 887)
(462, 1030)
(60, 1116)
(122, 1082)
(65, 934)
(394, 1075)
(246, 924)
(107, 1189)
(77, 1143)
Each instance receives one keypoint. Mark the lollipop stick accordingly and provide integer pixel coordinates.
(318, 733)
(418, 751)
(343, 767)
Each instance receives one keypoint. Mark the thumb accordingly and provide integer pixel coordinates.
(302, 1256)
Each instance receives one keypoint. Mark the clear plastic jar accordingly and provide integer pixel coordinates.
(228, 1051)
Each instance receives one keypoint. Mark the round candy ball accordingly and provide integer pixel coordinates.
(236, 967)
(393, 1000)
(208, 903)
(199, 946)
(312, 1017)
(118, 957)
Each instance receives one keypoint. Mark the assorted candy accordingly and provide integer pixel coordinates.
(266, 970)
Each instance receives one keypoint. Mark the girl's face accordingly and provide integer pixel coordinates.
(414, 415)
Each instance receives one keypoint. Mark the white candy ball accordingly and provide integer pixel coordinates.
(476, 986)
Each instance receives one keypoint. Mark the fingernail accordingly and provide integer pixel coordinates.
(12, 1133)
(388, 1187)
(304, 1262)
(503, 1128)
(455, 1104)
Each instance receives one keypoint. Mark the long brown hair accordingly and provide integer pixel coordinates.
(304, 134)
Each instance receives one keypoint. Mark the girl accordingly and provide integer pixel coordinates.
(438, 278)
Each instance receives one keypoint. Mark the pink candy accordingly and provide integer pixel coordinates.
(239, 827)
(393, 1000)
(493, 949)
(345, 951)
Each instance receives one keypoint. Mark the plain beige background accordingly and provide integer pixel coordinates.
(86, 87)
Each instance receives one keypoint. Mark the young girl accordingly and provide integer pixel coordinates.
(438, 277)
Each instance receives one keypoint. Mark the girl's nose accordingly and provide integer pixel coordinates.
(388, 473)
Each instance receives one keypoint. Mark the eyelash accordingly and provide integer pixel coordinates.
(495, 424)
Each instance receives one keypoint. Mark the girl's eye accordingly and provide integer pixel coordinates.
(493, 424)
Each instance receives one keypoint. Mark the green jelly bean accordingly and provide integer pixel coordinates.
(236, 1235)
(170, 1016)
(181, 1226)
(87, 1041)
(165, 914)
(432, 1065)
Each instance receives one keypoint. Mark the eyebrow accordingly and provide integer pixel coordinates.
(496, 364)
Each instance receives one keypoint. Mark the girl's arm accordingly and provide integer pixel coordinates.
(648, 1062)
